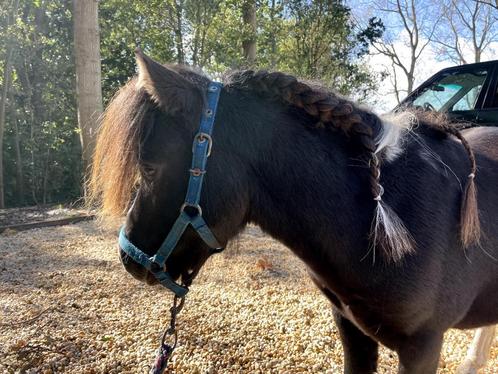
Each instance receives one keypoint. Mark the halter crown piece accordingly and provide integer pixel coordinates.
(201, 149)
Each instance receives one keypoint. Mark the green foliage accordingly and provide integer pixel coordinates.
(373, 32)
(318, 40)
(311, 39)
(125, 26)
(41, 115)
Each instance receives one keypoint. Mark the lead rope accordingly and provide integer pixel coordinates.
(165, 350)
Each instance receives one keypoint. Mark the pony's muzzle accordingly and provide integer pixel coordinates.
(135, 269)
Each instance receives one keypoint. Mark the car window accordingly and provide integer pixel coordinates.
(469, 100)
(456, 91)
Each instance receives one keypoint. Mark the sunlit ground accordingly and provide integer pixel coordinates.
(66, 305)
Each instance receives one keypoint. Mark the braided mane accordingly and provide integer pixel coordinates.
(331, 110)
(328, 108)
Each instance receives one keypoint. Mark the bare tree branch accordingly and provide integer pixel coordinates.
(471, 25)
(420, 30)
(489, 3)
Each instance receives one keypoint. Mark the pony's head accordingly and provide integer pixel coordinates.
(141, 167)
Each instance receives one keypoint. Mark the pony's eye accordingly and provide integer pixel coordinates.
(148, 171)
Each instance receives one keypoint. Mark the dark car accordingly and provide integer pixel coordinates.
(467, 93)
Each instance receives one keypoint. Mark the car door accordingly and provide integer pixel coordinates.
(488, 114)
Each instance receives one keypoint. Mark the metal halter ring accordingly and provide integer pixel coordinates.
(201, 137)
(196, 206)
(169, 332)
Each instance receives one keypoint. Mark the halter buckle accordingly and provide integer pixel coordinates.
(201, 137)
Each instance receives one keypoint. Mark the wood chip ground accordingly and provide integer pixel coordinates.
(67, 306)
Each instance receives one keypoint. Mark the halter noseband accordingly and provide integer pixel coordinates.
(201, 149)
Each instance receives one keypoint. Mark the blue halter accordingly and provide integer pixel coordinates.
(201, 149)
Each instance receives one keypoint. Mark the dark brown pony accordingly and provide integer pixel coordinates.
(383, 210)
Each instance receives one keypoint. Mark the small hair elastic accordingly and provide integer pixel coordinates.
(381, 192)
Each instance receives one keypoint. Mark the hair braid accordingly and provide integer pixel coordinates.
(470, 227)
(469, 212)
(388, 231)
(327, 107)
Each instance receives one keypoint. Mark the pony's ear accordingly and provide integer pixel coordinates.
(167, 88)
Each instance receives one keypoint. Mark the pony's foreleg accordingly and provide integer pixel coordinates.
(360, 351)
(419, 353)
(478, 352)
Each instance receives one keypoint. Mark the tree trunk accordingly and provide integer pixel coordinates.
(45, 176)
(33, 83)
(88, 74)
(3, 100)
(410, 76)
(197, 33)
(273, 60)
(178, 16)
(249, 42)
(19, 171)
(201, 53)
(23, 74)
(3, 103)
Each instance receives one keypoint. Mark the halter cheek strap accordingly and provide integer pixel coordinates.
(201, 149)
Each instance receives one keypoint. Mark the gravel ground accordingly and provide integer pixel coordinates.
(66, 305)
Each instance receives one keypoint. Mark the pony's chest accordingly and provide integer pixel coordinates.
(369, 321)
(383, 323)
(353, 308)
(347, 313)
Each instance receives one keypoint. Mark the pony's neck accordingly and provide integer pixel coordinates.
(309, 187)
(309, 193)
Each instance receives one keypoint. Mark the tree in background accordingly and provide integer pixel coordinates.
(176, 11)
(250, 29)
(43, 159)
(88, 76)
(491, 3)
(141, 23)
(7, 71)
(418, 22)
(42, 154)
(466, 26)
(199, 16)
(322, 44)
